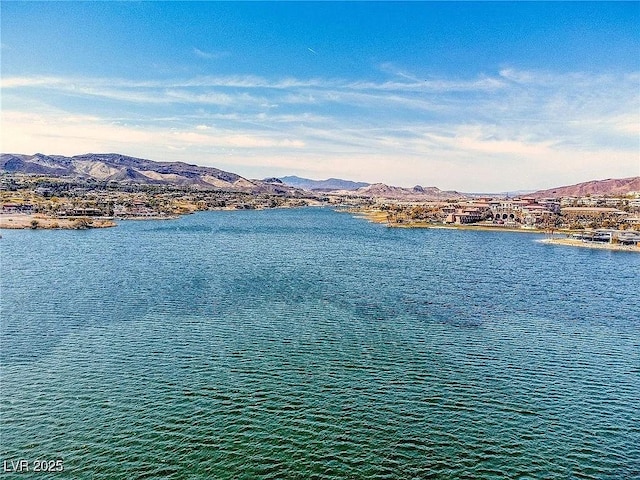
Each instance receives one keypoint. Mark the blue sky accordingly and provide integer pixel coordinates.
(468, 96)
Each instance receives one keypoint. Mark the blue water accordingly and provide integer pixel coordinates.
(311, 344)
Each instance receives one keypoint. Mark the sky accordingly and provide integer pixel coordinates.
(476, 97)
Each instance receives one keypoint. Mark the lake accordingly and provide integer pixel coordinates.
(307, 343)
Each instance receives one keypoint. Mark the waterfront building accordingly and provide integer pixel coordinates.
(462, 213)
(535, 214)
(508, 211)
(609, 235)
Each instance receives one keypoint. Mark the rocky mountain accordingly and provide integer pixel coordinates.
(324, 185)
(375, 190)
(124, 169)
(610, 186)
(119, 168)
(417, 193)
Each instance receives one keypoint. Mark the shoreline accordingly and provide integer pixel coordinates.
(381, 218)
(24, 221)
(572, 242)
(21, 221)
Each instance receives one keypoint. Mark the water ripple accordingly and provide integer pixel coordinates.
(307, 344)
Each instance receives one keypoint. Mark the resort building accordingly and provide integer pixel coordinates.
(463, 216)
(535, 214)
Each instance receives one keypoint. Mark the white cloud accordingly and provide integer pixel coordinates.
(70, 134)
(517, 129)
(18, 82)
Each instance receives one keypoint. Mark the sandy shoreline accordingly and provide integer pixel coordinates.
(20, 221)
(37, 221)
(572, 242)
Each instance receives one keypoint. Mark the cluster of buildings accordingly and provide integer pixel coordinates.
(27, 195)
(22, 195)
(12, 208)
(546, 212)
(608, 235)
(80, 209)
(509, 212)
(622, 213)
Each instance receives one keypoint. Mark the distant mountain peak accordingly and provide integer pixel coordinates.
(417, 193)
(326, 185)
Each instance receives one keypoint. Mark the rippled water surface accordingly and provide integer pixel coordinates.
(310, 344)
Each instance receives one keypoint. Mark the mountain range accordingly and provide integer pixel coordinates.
(363, 189)
(417, 193)
(114, 167)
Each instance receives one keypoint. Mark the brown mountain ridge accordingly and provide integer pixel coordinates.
(113, 167)
(610, 186)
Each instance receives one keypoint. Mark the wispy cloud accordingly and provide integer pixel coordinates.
(99, 133)
(209, 55)
(504, 131)
(394, 70)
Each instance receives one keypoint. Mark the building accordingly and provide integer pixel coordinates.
(535, 214)
(25, 208)
(466, 215)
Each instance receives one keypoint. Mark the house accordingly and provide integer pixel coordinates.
(463, 216)
(10, 208)
(87, 212)
(25, 208)
(533, 214)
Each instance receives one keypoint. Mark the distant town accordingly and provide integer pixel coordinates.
(35, 200)
(595, 219)
(566, 213)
